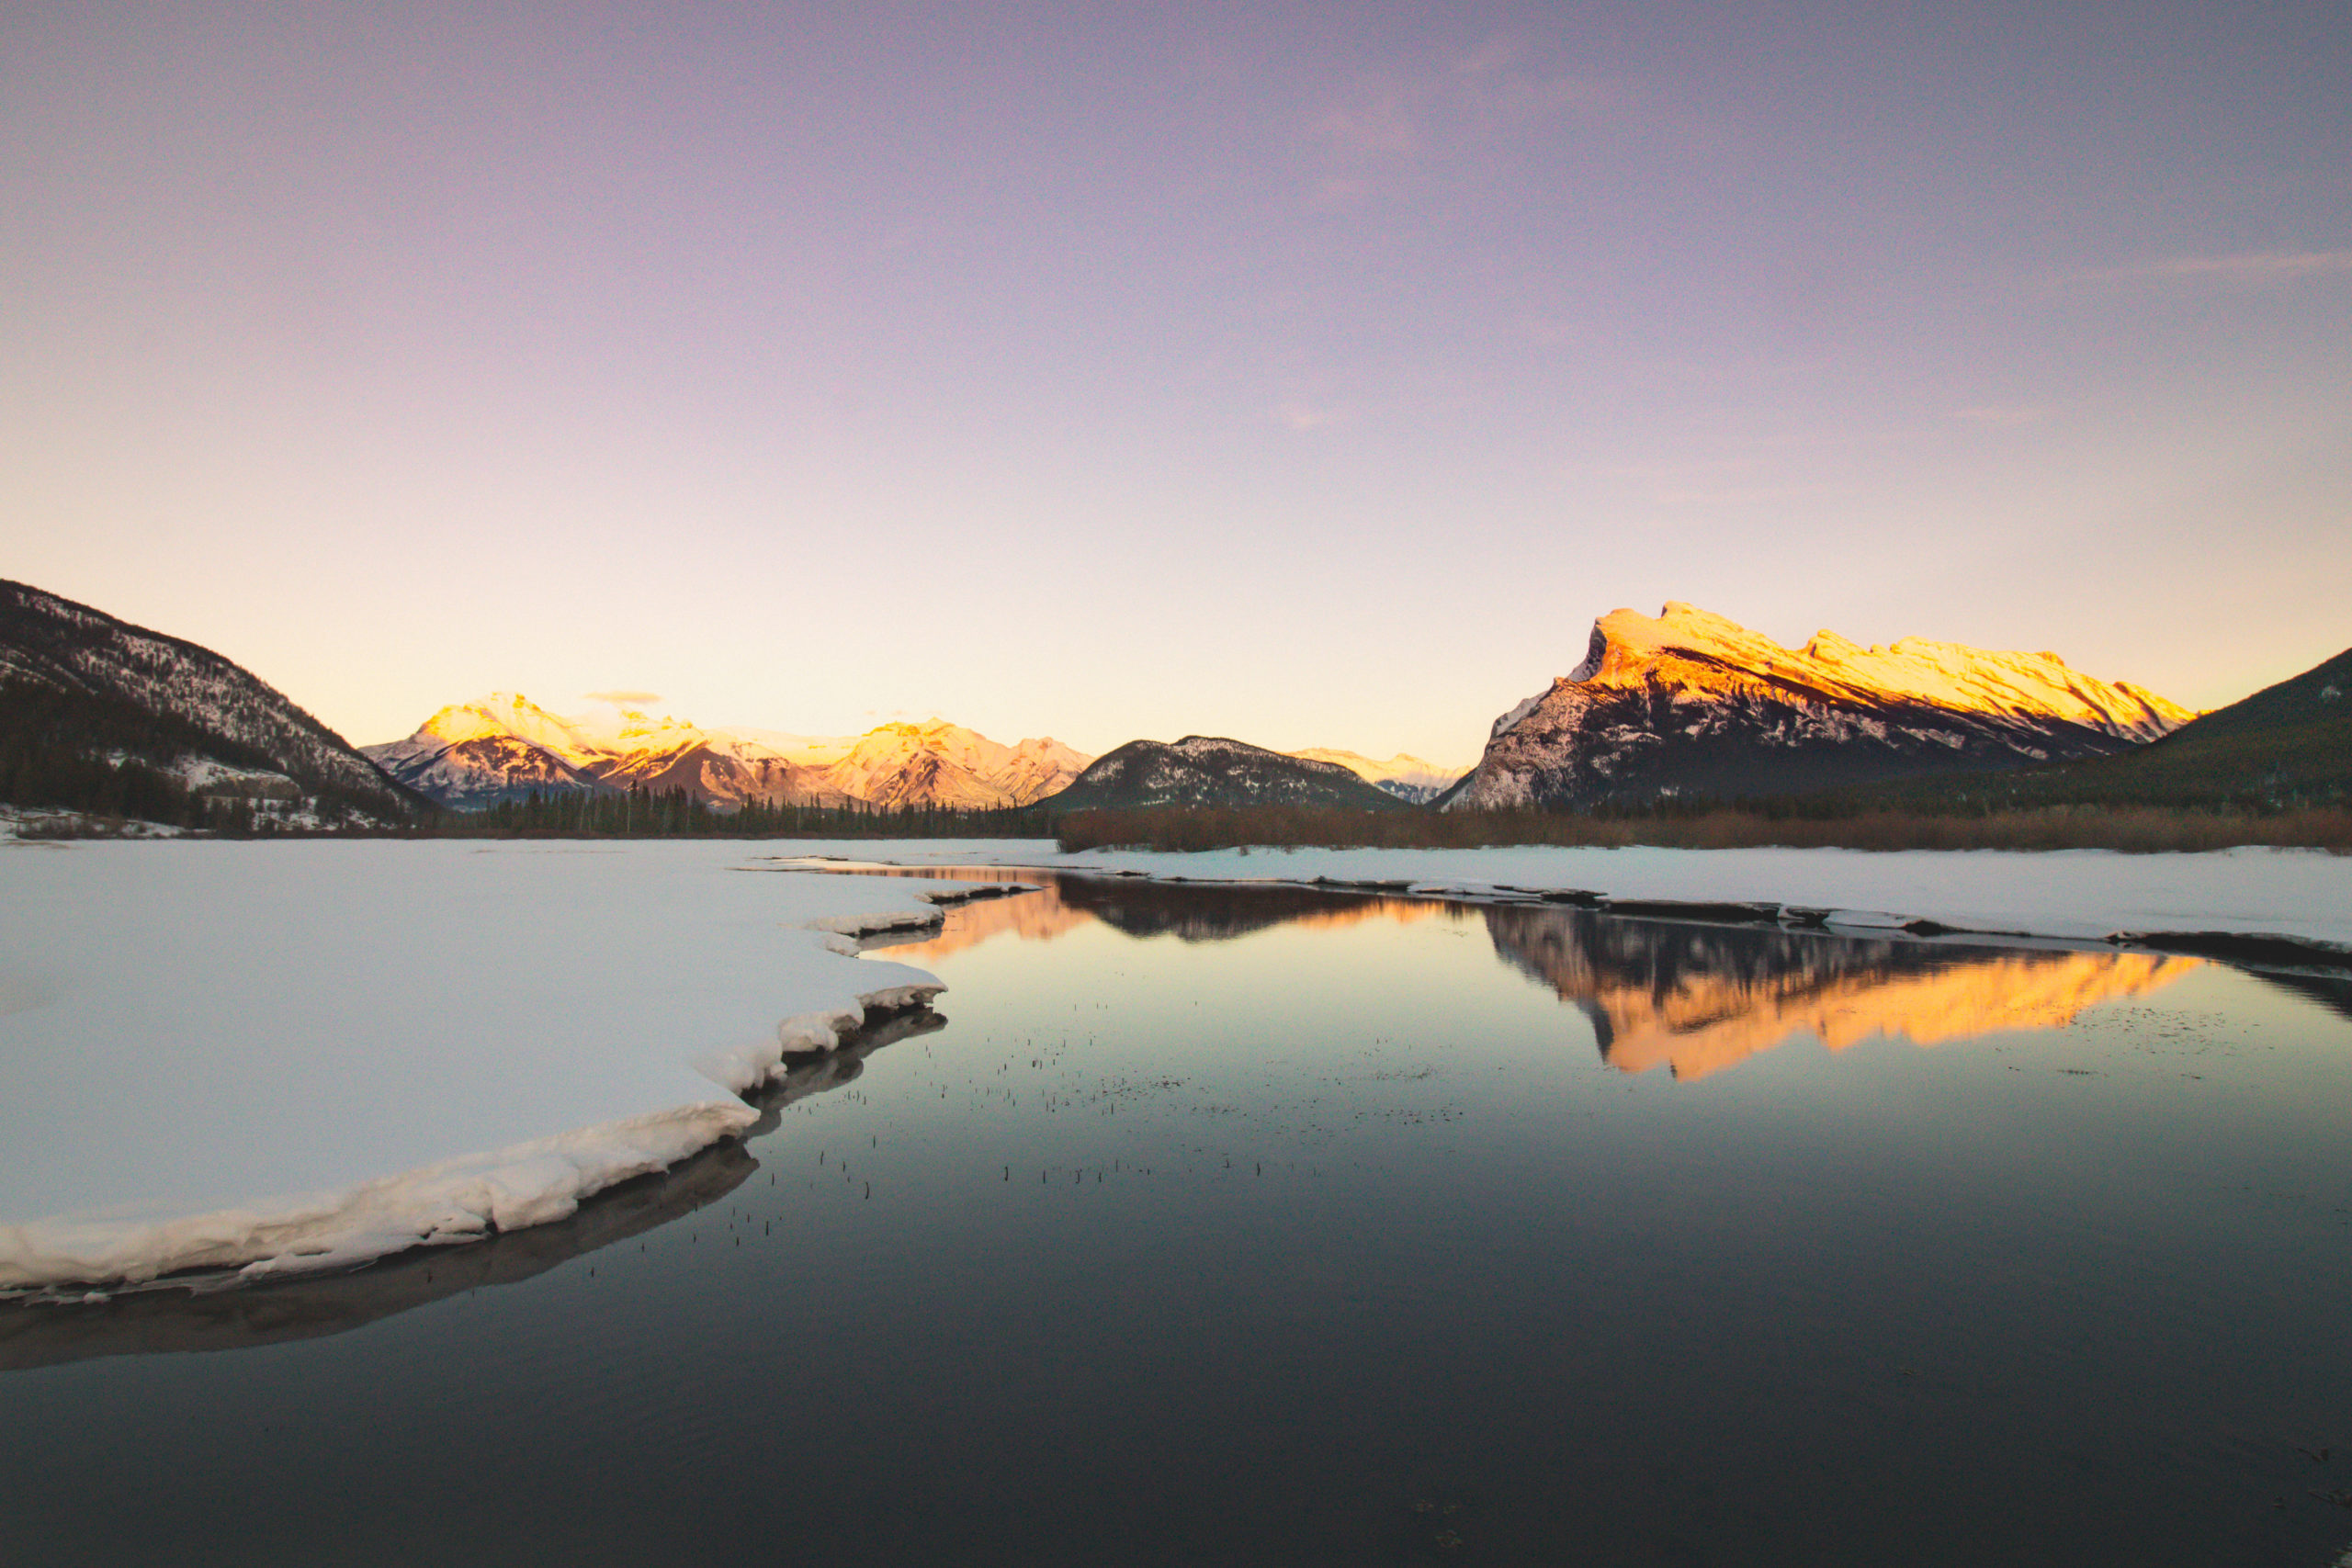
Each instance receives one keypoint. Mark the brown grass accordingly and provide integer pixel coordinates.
(2132, 829)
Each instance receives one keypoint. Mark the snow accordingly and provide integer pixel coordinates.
(2077, 894)
(283, 1055)
(204, 775)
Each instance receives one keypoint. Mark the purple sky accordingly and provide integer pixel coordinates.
(1310, 374)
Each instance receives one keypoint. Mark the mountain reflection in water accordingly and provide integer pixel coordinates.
(1696, 999)
(1692, 999)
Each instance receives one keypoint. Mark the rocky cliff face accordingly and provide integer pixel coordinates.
(1690, 704)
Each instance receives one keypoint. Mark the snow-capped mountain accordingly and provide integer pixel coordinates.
(1204, 770)
(505, 746)
(1692, 704)
(126, 694)
(1405, 777)
(942, 763)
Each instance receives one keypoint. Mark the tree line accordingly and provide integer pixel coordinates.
(641, 813)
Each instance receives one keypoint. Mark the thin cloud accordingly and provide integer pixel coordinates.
(1370, 134)
(2003, 415)
(1380, 124)
(1548, 332)
(1296, 415)
(2263, 266)
(626, 699)
(1334, 194)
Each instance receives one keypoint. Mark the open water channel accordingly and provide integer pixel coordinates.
(1261, 1226)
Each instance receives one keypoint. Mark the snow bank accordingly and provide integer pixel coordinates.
(276, 1057)
(2302, 895)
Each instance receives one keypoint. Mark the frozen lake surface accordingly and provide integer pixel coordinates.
(307, 1054)
(1264, 1224)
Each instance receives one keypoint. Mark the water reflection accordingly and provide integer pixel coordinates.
(1690, 998)
(1189, 913)
(1696, 999)
(35, 1334)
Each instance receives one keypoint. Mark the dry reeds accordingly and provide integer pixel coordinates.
(2137, 829)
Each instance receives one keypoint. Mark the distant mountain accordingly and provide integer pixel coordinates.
(945, 764)
(84, 690)
(505, 747)
(1405, 777)
(2288, 745)
(1202, 770)
(1690, 704)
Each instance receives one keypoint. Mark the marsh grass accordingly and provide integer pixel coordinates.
(2131, 830)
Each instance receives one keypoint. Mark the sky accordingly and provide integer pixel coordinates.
(1311, 375)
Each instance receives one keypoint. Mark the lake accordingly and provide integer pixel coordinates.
(1274, 1225)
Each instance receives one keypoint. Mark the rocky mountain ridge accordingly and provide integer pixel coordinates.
(1690, 704)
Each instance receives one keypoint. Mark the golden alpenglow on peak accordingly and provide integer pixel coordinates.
(1683, 641)
(1691, 703)
(504, 746)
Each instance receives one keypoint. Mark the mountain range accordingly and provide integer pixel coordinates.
(100, 716)
(505, 747)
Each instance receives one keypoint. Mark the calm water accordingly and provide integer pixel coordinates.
(1276, 1227)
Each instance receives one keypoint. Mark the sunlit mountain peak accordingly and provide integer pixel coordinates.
(1691, 703)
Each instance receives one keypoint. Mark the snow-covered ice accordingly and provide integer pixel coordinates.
(308, 1054)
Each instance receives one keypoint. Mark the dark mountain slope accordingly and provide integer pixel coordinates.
(88, 690)
(1202, 770)
(2286, 746)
